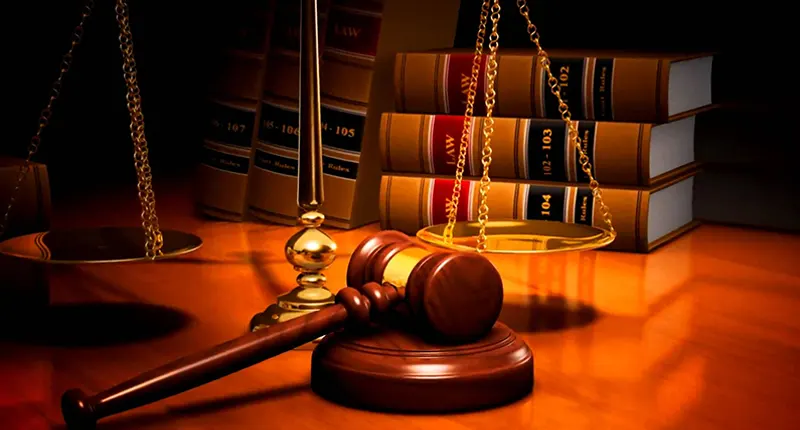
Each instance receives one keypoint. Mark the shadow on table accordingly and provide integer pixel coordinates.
(535, 314)
(93, 324)
(198, 409)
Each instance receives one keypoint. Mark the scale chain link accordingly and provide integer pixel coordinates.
(491, 10)
(153, 236)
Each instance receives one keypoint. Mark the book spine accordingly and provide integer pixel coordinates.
(528, 149)
(230, 122)
(351, 34)
(598, 89)
(410, 203)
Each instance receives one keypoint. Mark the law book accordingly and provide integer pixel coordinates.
(600, 86)
(230, 117)
(358, 43)
(643, 218)
(620, 153)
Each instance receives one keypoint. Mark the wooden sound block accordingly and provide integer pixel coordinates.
(393, 370)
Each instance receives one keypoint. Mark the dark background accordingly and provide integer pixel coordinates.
(749, 148)
(87, 143)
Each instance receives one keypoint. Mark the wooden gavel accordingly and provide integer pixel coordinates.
(453, 297)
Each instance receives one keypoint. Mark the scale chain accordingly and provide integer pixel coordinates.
(467, 129)
(488, 126)
(153, 235)
(47, 112)
(491, 10)
(555, 89)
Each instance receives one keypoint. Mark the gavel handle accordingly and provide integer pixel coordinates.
(81, 411)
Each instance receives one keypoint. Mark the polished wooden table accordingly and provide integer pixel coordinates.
(702, 334)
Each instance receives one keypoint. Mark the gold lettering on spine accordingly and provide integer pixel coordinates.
(584, 207)
(338, 168)
(464, 88)
(603, 80)
(280, 165)
(346, 30)
(607, 88)
(229, 126)
(399, 268)
(547, 140)
(292, 129)
(450, 149)
(545, 205)
(602, 91)
(563, 82)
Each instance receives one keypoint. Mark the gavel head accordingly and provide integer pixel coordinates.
(456, 296)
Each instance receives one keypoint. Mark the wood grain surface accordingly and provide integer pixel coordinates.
(701, 334)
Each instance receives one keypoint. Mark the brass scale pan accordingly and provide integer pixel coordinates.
(95, 245)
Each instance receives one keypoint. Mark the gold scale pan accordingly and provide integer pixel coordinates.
(513, 236)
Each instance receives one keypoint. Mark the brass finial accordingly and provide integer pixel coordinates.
(310, 251)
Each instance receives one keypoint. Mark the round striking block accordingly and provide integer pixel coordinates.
(385, 369)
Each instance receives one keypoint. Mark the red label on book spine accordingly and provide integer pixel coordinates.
(458, 73)
(353, 32)
(440, 201)
(444, 144)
